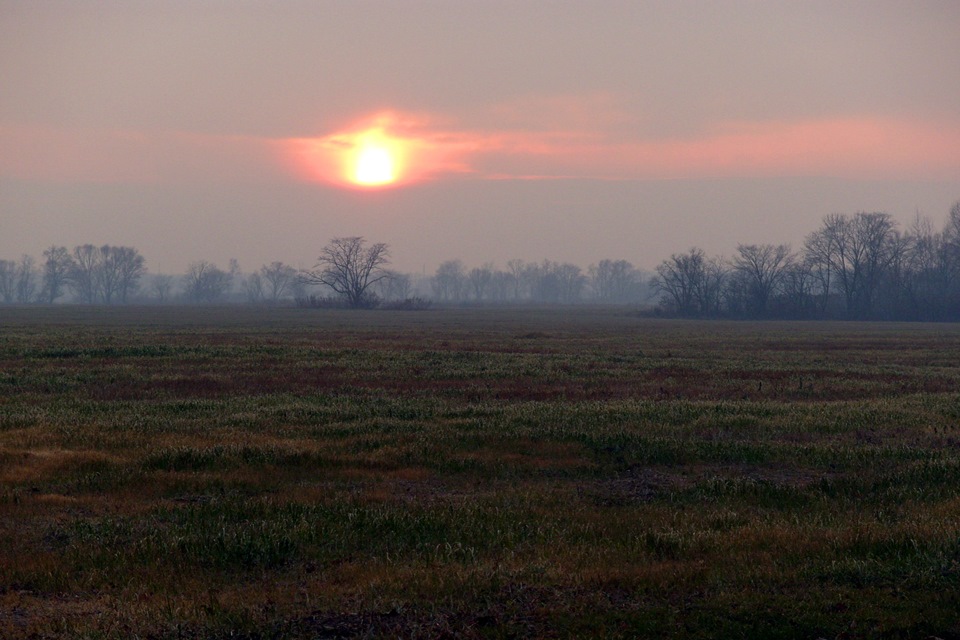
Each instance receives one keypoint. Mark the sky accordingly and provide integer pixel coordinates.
(478, 130)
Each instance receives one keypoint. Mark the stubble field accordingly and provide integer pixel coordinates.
(207, 473)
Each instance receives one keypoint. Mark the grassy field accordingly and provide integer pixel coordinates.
(194, 473)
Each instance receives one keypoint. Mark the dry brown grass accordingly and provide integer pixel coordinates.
(513, 473)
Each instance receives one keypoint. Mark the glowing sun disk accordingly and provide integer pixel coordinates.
(374, 165)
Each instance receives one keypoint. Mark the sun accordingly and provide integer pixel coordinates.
(376, 153)
(372, 159)
(374, 166)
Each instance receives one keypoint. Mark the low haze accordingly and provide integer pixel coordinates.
(569, 131)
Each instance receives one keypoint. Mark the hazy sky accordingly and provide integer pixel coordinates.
(574, 131)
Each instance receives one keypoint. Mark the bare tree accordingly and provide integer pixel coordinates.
(818, 255)
(762, 268)
(253, 287)
(350, 268)
(8, 281)
(57, 267)
(558, 283)
(396, 286)
(479, 279)
(857, 251)
(572, 282)
(26, 285)
(501, 285)
(614, 281)
(710, 289)
(679, 279)
(161, 285)
(83, 272)
(127, 266)
(449, 282)
(951, 241)
(517, 269)
(105, 274)
(205, 282)
(278, 281)
(799, 287)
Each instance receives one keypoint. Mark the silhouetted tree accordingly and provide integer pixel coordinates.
(253, 288)
(614, 281)
(761, 269)
(279, 281)
(396, 286)
(799, 288)
(8, 281)
(479, 279)
(856, 252)
(449, 281)
(205, 282)
(105, 274)
(125, 267)
(501, 286)
(83, 272)
(518, 271)
(350, 268)
(161, 285)
(26, 285)
(57, 267)
(679, 280)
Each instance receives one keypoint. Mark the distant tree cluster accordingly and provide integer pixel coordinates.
(855, 267)
(102, 275)
(609, 281)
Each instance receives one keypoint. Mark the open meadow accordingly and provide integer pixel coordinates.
(179, 472)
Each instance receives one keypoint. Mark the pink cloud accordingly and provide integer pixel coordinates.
(607, 149)
(430, 147)
(850, 148)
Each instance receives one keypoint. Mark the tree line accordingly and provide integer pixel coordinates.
(860, 266)
(349, 272)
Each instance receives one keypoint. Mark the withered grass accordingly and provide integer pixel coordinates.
(578, 472)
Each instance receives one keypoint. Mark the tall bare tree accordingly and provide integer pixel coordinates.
(396, 286)
(26, 285)
(350, 268)
(449, 282)
(57, 266)
(480, 279)
(8, 281)
(679, 279)
(857, 251)
(517, 269)
(614, 280)
(161, 285)
(126, 267)
(279, 281)
(83, 272)
(205, 282)
(762, 269)
(105, 274)
(253, 287)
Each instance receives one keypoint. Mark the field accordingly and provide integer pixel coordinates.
(215, 473)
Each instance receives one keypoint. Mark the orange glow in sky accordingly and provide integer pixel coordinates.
(388, 150)
(370, 155)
